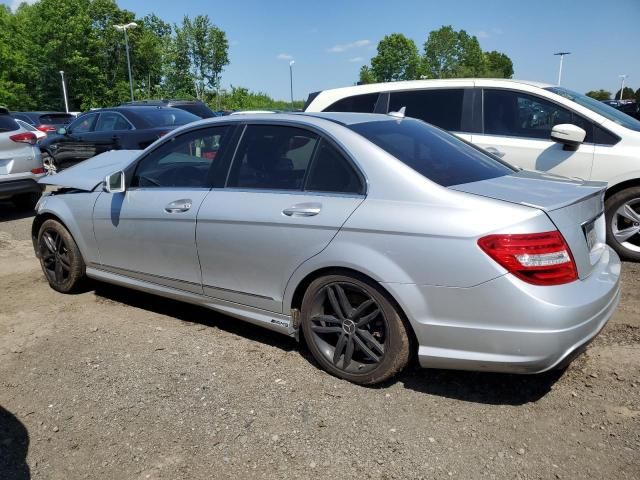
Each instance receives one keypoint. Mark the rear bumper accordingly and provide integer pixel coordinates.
(506, 325)
(9, 188)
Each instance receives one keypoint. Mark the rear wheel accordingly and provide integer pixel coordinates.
(623, 223)
(60, 257)
(26, 201)
(353, 330)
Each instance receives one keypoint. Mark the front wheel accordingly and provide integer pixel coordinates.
(353, 330)
(623, 223)
(60, 257)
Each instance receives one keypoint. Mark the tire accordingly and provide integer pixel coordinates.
(60, 258)
(367, 336)
(26, 201)
(621, 221)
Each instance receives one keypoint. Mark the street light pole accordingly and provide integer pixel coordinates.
(561, 54)
(622, 79)
(64, 92)
(291, 80)
(124, 29)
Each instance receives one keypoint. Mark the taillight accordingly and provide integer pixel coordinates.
(25, 137)
(36, 171)
(537, 258)
(46, 128)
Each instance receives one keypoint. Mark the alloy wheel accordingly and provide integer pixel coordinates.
(54, 253)
(349, 327)
(625, 225)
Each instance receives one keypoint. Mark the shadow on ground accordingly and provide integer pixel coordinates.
(478, 387)
(8, 212)
(14, 445)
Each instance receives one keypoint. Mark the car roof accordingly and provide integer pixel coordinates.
(341, 118)
(44, 112)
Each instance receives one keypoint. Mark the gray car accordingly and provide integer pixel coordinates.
(375, 236)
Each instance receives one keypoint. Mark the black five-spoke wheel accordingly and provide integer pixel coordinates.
(353, 330)
(60, 258)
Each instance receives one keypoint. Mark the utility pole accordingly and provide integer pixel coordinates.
(291, 80)
(124, 28)
(64, 92)
(561, 54)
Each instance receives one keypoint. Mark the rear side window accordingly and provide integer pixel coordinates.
(8, 124)
(440, 107)
(331, 172)
(356, 103)
(198, 109)
(437, 155)
(272, 157)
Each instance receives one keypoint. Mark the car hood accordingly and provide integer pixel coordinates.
(88, 174)
(541, 190)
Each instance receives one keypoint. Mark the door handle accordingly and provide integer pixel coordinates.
(495, 151)
(303, 210)
(179, 206)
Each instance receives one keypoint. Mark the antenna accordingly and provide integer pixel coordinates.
(399, 113)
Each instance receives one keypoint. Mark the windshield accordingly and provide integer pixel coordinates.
(599, 107)
(166, 117)
(440, 156)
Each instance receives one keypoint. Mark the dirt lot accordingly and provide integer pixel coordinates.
(116, 384)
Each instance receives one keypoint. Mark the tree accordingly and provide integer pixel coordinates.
(397, 59)
(366, 75)
(627, 94)
(498, 65)
(599, 94)
(450, 54)
(638, 95)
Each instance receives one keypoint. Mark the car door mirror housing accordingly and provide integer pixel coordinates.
(62, 131)
(571, 136)
(114, 183)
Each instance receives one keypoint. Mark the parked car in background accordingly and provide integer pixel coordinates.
(532, 125)
(117, 128)
(20, 163)
(27, 126)
(380, 237)
(629, 107)
(197, 107)
(46, 122)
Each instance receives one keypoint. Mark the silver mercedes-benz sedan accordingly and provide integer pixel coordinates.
(375, 236)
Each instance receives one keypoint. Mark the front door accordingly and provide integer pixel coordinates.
(149, 232)
(73, 147)
(289, 191)
(517, 128)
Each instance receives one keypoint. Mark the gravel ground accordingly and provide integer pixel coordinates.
(115, 384)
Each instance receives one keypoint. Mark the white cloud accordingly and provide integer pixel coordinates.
(16, 3)
(356, 59)
(483, 34)
(497, 31)
(284, 56)
(348, 46)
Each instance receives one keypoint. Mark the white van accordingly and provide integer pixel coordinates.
(531, 125)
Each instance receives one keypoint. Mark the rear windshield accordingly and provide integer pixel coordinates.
(607, 111)
(166, 117)
(8, 124)
(440, 156)
(198, 109)
(56, 118)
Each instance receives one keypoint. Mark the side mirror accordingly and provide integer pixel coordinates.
(62, 131)
(114, 183)
(571, 136)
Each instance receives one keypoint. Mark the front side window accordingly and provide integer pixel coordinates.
(165, 117)
(440, 107)
(109, 121)
(331, 172)
(365, 103)
(272, 157)
(184, 161)
(437, 155)
(83, 124)
(516, 114)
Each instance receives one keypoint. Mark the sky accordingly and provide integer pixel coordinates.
(330, 40)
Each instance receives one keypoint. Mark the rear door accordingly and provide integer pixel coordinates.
(517, 127)
(288, 192)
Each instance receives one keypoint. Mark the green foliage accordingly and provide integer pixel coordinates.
(447, 54)
(638, 95)
(397, 59)
(240, 98)
(599, 94)
(627, 94)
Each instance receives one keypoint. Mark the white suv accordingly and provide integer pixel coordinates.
(20, 163)
(531, 125)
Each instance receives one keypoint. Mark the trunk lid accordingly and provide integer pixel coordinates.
(576, 207)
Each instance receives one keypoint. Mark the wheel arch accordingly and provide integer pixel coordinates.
(618, 187)
(38, 220)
